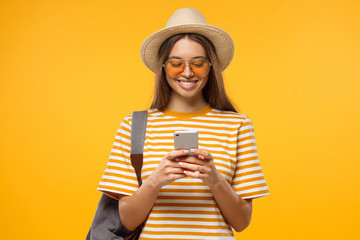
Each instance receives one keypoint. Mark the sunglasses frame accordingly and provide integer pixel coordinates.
(188, 61)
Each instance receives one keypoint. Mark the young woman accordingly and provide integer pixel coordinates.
(200, 196)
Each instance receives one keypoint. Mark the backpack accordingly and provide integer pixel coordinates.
(106, 224)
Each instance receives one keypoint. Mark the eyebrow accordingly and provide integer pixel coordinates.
(176, 57)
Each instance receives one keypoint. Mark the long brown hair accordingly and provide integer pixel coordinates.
(214, 90)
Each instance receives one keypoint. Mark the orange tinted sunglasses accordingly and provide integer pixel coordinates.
(199, 66)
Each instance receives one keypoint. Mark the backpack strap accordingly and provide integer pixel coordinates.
(138, 130)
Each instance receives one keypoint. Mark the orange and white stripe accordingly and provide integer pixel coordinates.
(186, 209)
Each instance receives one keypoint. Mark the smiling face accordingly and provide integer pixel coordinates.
(187, 86)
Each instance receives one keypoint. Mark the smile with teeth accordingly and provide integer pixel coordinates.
(187, 83)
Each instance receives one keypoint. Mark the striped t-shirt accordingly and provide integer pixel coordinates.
(186, 209)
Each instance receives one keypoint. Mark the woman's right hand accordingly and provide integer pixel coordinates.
(169, 169)
(135, 209)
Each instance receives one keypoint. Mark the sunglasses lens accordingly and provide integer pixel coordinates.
(200, 67)
(174, 67)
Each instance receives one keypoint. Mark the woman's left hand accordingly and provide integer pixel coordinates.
(201, 166)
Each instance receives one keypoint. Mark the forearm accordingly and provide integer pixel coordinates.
(134, 209)
(235, 210)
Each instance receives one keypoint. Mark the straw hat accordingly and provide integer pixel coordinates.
(187, 20)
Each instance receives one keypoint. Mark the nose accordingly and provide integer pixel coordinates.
(187, 71)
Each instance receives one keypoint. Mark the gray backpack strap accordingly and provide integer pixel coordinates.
(138, 131)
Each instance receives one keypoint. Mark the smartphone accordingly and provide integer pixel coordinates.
(185, 139)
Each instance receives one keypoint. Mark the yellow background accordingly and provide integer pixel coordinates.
(71, 70)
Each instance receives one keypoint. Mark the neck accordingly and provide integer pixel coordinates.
(178, 104)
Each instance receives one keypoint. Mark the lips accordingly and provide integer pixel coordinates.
(187, 84)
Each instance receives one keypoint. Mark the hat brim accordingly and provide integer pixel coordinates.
(222, 41)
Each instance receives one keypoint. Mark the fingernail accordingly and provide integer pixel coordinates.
(186, 172)
(181, 163)
(186, 151)
(192, 150)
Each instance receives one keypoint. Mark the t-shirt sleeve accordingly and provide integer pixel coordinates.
(248, 181)
(119, 177)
